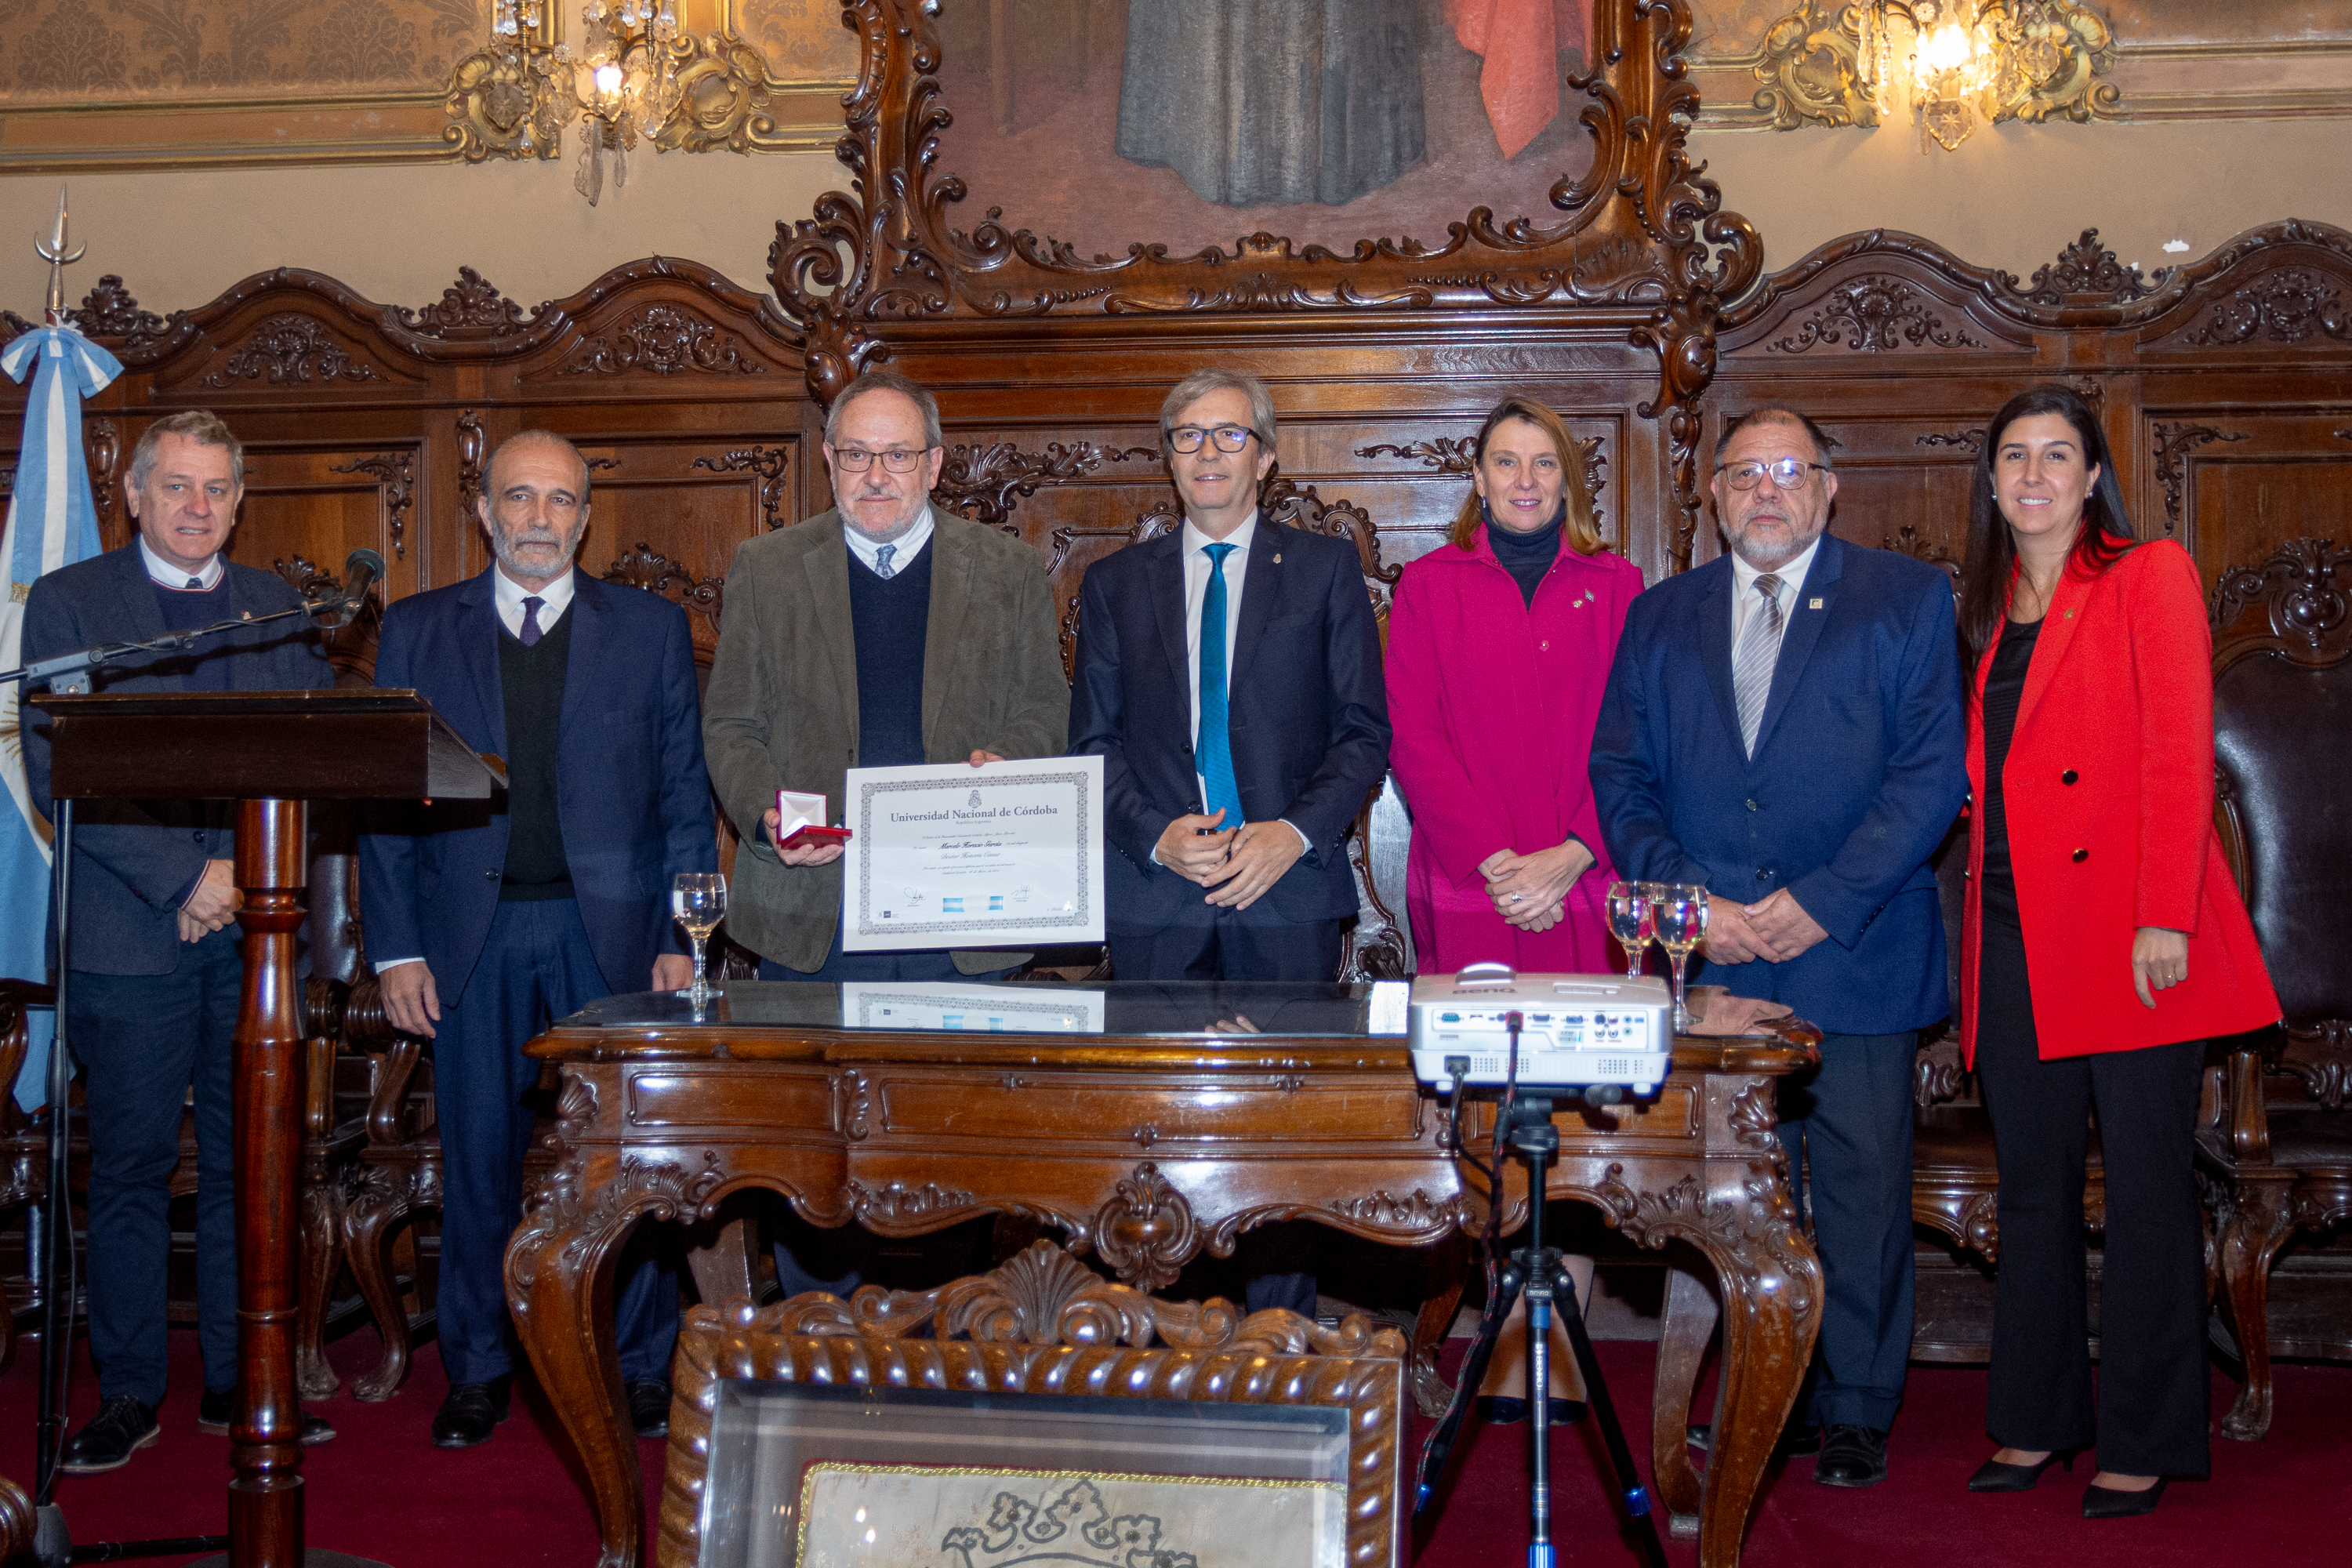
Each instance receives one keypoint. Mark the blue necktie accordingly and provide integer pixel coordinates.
(1216, 750)
(531, 631)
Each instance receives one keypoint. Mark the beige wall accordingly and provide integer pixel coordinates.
(2011, 195)
(2009, 198)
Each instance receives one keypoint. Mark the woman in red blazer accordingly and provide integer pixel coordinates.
(2103, 942)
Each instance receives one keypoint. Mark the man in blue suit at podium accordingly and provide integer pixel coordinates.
(486, 920)
(1783, 726)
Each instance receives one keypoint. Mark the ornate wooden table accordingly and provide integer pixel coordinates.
(1147, 1142)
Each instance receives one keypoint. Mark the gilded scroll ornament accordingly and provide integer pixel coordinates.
(1947, 64)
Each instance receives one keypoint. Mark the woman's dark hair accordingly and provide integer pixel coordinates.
(2107, 533)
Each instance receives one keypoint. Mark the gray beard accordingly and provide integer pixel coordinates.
(508, 557)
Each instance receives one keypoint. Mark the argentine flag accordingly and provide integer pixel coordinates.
(52, 523)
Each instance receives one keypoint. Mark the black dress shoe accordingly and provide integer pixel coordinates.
(649, 1407)
(1993, 1475)
(1503, 1410)
(1851, 1456)
(1795, 1442)
(215, 1408)
(108, 1439)
(470, 1413)
(2105, 1502)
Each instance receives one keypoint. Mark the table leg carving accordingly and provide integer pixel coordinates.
(560, 1289)
(2260, 1218)
(1772, 1283)
(388, 1196)
(321, 1259)
(1691, 1315)
(1448, 1268)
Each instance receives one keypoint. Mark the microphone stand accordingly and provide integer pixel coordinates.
(53, 1547)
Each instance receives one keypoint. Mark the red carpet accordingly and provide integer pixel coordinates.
(382, 1491)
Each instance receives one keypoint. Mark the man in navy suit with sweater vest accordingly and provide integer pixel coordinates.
(1229, 676)
(1783, 726)
(486, 920)
(157, 972)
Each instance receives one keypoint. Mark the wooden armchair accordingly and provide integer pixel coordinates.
(2276, 1141)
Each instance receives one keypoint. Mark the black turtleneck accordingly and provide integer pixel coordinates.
(1527, 556)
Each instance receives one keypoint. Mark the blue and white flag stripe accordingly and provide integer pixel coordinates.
(52, 523)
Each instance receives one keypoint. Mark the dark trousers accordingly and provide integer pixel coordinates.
(1226, 949)
(1279, 1261)
(1847, 1129)
(536, 966)
(143, 1039)
(2155, 1394)
(807, 1258)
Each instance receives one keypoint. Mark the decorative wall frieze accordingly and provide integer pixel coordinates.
(290, 350)
(769, 464)
(1970, 440)
(109, 311)
(2086, 273)
(1874, 315)
(396, 477)
(2174, 442)
(985, 483)
(2290, 305)
(661, 340)
(473, 442)
(1459, 455)
(470, 311)
(647, 568)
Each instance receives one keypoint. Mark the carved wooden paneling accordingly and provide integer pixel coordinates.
(318, 504)
(2220, 384)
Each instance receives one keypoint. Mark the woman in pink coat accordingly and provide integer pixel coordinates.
(1499, 646)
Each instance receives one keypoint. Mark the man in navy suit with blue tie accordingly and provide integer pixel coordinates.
(487, 920)
(1783, 725)
(1229, 676)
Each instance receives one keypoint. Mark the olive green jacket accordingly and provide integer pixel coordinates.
(782, 708)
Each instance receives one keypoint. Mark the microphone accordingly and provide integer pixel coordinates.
(362, 569)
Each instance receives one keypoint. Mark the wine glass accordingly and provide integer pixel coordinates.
(698, 900)
(1681, 926)
(1630, 921)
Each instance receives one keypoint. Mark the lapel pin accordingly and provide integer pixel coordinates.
(1277, 558)
(1813, 604)
(2069, 616)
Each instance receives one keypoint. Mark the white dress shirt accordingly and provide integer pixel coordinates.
(1196, 597)
(176, 577)
(903, 549)
(506, 598)
(1743, 589)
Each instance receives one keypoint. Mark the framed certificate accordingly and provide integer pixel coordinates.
(1005, 855)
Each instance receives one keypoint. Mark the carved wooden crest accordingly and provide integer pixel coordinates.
(661, 340)
(290, 350)
(469, 310)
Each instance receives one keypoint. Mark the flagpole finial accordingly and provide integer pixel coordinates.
(54, 252)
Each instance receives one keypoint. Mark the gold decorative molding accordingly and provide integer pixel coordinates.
(146, 111)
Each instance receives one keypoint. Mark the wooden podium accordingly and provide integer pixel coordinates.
(272, 753)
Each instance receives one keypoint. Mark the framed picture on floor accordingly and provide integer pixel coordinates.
(1038, 1413)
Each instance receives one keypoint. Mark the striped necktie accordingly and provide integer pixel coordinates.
(1751, 666)
(1215, 750)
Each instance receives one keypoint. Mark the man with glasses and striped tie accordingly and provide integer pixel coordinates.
(1229, 676)
(1783, 725)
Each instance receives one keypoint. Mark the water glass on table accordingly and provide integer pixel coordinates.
(1631, 919)
(697, 901)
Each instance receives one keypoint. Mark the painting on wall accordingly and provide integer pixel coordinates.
(54, 51)
(1099, 123)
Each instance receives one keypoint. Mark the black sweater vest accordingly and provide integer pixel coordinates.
(532, 681)
(890, 618)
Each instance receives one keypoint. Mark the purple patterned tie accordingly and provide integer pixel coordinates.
(530, 632)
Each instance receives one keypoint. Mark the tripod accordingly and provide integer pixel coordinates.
(1538, 1270)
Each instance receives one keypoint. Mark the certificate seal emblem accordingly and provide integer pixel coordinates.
(974, 802)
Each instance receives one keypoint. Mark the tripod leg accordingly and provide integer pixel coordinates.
(1440, 1446)
(1636, 1496)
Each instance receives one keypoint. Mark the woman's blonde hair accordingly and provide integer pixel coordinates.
(1583, 530)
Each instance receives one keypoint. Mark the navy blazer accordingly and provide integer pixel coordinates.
(631, 793)
(135, 861)
(1308, 712)
(1858, 774)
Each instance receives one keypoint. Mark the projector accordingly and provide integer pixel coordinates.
(1576, 1031)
